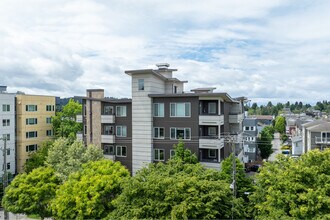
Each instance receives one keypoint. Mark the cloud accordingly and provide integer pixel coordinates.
(264, 50)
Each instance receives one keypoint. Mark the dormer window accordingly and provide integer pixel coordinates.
(141, 84)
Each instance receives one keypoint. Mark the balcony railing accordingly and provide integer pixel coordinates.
(107, 119)
(211, 120)
(79, 118)
(322, 140)
(211, 165)
(108, 139)
(211, 142)
(79, 136)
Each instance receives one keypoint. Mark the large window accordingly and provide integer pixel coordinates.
(180, 133)
(109, 150)
(108, 130)
(32, 147)
(121, 111)
(48, 108)
(212, 107)
(5, 122)
(121, 151)
(6, 108)
(31, 108)
(158, 109)
(6, 136)
(31, 121)
(121, 131)
(159, 133)
(49, 120)
(49, 132)
(159, 155)
(180, 109)
(141, 84)
(31, 134)
(108, 110)
(212, 153)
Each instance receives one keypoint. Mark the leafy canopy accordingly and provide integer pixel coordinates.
(38, 158)
(88, 193)
(294, 188)
(66, 157)
(265, 142)
(64, 123)
(31, 193)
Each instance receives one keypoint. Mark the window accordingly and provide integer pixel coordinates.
(212, 107)
(212, 153)
(108, 110)
(48, 108)
(8, 151)
(159, 155)
(158, 109)
(212, 131)
(31, 134)
(121, 131)
(108, 150)
(108, 130)
(31, 121)
(175, 89)
(6, 108)
(5, 122)
(49, 133)
(159, 133)
(249, 128)
(141, 84)
(180, 109)
(246, 128)
(183, 133)
(250, 138)
(121, 111)
(6, 136)
(48, 120)
(85, 129)
(31, 108)
(121, 151)
(172, 153)
(8, 166)
(32, 147)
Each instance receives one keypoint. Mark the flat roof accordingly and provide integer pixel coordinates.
(225, 96)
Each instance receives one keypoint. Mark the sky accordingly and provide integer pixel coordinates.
(274, 50)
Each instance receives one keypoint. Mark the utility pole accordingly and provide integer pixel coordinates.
(5, 175)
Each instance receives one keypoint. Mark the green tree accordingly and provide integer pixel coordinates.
(177, 191)
(294, 188)
(88, 194)
(66, 157)
(64, 123)
(31, 193)
(38, 158)
(280, 124)
(265, 143)
(184, 155)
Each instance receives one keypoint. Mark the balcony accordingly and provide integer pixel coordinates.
(236, 118)
(108, 139)
(79, 118)
(211, 120)
(107, 119)
(211, 165)
(212, 142)
(79, 136)
(109, 157)
(322, 140)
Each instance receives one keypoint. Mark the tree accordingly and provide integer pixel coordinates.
(184, 155)
(31, 193)
(177, 191)
(88, 194)
(64, 123)
(280, 124)
(38, 158)
(66, 157)
(264, 143)
(294, 188)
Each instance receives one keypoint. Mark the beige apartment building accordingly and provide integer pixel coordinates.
(34, 124)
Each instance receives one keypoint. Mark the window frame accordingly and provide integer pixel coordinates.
(117, 111)
(140, 84)
(209, 153)
(28, 121)
(160, 105)
(121, 128)
(121, 147)
(48, 120)
(158, 133)
(110, 146)
(27, 134)
(161, 156)
(184, 131)
(5, 122)
(27, 108)
(6, 107)
(28, 147)
(174, 110)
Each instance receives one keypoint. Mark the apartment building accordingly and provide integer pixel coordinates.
(7, 130)
(144, 129)
(316, 135)
(33, 124)
(250, 133)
